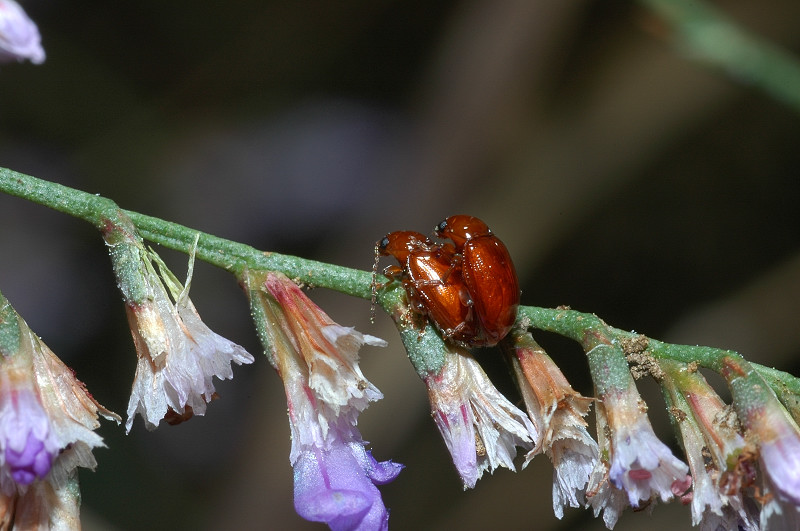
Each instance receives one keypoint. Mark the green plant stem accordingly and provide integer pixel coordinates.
(227, 254)
(9, 328)
(587, 329)
(708, 35)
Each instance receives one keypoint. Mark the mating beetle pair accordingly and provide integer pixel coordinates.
(467, 287)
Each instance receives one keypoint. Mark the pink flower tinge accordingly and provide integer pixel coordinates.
(769, 426)
(778, 441)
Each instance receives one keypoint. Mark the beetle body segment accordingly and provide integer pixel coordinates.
(491, 280)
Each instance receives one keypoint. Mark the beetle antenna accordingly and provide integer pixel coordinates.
(374, 299)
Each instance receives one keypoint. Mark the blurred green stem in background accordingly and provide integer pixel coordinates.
(708, 35)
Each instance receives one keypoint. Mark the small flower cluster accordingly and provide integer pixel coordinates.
(482, 429)
(743, 470)
(744, 458)
(48, 418)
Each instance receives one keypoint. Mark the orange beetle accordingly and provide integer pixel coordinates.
(485, 266)
(467, 288)
(432, 287)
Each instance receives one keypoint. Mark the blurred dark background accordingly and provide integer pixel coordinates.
(626, 179)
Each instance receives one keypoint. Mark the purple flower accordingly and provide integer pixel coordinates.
(28, 442)
(19, 36)
(337, 486)
(335, 477)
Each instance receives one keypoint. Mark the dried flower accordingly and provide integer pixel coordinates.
(557, 412)
(43, 505)
(641, 464)
(777, 512)
(601, 494)
(769, 427)
(779, 448)
(19, 36)
(638, 464)
(720, 460)
(47, 423)
(178, 355)
(335, 476)
(633, 460)
(480, 427)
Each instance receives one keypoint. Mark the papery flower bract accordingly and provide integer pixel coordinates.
(557, 412)
(574, 456)
(335, 477)
(601, 494)
(43, 506)
(19, 36)
(178, 355)
(777, 512)
(480, 427)
(714, 506)
(769, 426)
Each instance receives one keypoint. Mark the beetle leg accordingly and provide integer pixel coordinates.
(447, 252)
(393, 272)
(414, 298)
(428, 282)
